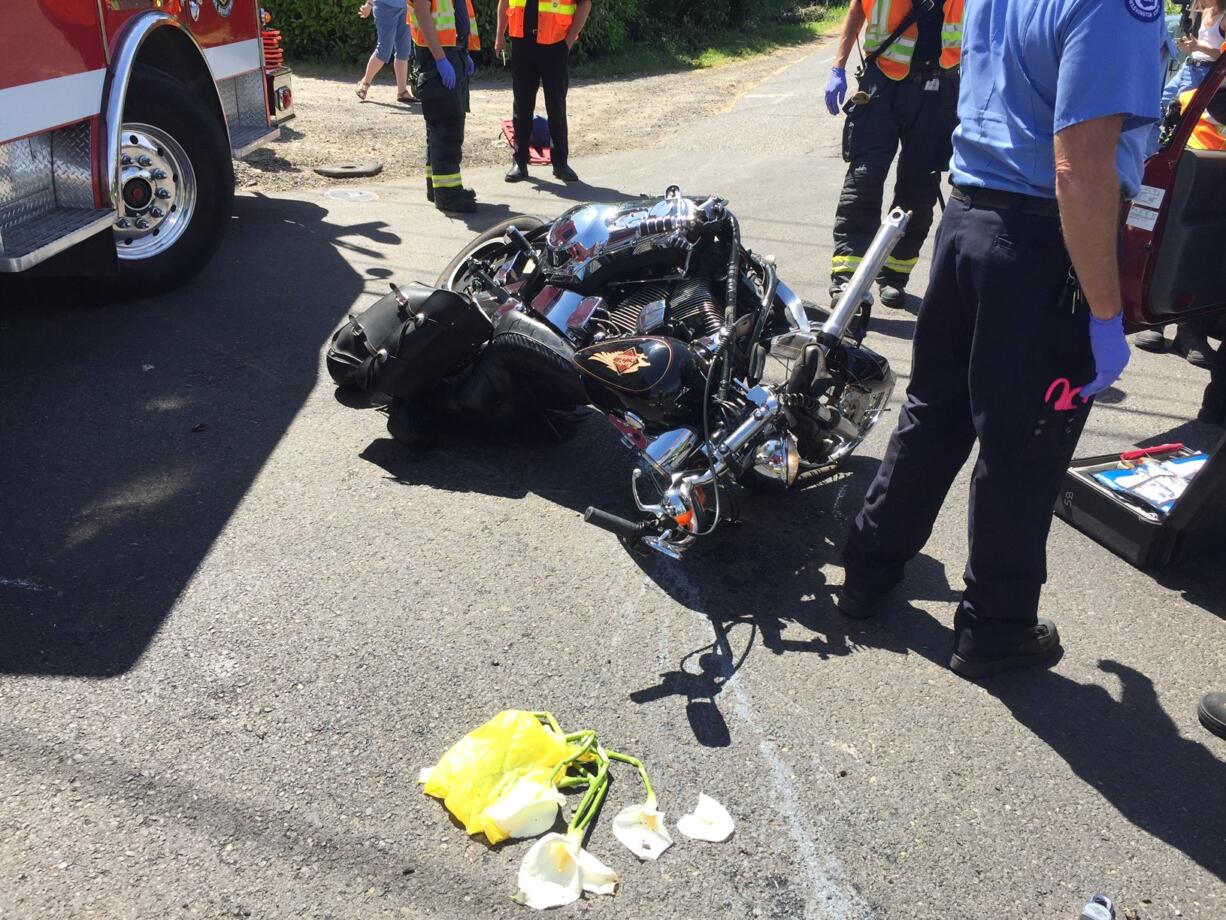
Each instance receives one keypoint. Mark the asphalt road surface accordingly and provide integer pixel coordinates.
(237, 618)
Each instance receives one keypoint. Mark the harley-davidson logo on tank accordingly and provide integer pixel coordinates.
(224, 7)
(623, 362)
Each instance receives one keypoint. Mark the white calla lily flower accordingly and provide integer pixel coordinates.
(556, 870)
(642, 829)
(529, 808)
(710, 821)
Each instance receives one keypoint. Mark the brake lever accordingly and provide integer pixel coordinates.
(657, 510)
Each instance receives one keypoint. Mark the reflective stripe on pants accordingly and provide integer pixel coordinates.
(444, 111)
(921, 122)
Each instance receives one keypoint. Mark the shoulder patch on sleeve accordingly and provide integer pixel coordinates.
(1144, 10)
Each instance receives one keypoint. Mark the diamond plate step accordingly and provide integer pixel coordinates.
(32, 241)
(246, 138)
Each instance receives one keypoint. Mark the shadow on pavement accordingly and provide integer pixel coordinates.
(770, 591)
(579, 192)
(588, 468)
(1129, 750)
(131, 432)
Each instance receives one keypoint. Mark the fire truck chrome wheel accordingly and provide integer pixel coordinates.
(158, 186)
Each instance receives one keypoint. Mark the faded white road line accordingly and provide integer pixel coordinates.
(830, 897)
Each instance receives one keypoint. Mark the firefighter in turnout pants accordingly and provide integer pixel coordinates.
(908, 96)
(542, 34)
(444, 33)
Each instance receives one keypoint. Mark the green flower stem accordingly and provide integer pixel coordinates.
(638, 765)
(592, 799)
(587, 742)
(548, 719)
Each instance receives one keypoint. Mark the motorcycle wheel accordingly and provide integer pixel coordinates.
(455, 276)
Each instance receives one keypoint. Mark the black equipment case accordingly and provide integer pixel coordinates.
(407, 341)
(1195, 525)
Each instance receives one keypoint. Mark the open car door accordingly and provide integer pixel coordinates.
(1174, 235)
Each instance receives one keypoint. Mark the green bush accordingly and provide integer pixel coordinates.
(330, 30)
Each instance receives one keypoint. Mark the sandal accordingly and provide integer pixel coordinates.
(361, 90)
(406, 97)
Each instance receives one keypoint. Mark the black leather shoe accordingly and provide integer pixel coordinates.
(565, 173)
(517, 173)
(1211, 417)
(859, 595)
(893, 296)
(1212, 712)
(1194, 345)
(1037, 645)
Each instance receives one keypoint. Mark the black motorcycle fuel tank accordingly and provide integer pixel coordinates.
(655, 377)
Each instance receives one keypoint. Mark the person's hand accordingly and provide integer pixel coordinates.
(571, 38)
(364, 10)
(1111, 353)
(836, 90)
(1187, 44)
(469, 64)
(446, 72)
(500, 46)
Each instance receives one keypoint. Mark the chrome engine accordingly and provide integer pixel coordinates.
(669, 323)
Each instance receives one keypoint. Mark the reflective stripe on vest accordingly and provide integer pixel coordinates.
(883, 16)
(1209, 133)
(552, 22)
(443, 14)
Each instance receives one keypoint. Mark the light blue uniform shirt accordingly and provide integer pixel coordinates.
(1031, 68)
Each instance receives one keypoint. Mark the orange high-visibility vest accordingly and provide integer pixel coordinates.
(552, 23)
(884, 16)
(1209, 133)
(444, 24)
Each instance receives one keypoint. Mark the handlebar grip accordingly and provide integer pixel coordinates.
(654, 225)
(616, 525)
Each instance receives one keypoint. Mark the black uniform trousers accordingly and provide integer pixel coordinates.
(445, 111)
(1001, 342)
(919, 115)
(1214, 400)
(535, 66)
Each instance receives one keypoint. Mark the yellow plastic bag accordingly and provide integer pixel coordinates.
(498, 779)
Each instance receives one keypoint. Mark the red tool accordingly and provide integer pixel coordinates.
(1141, 452)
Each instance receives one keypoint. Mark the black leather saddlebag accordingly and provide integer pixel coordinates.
(407, 341)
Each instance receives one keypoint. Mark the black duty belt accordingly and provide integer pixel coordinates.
(923, 75)
(996, 200)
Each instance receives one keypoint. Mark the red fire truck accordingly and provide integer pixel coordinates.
(118, 121)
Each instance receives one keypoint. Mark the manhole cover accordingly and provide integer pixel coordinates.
(350, 194)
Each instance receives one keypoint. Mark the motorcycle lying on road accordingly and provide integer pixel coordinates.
(655, 314)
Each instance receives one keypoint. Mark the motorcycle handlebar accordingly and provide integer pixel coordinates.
(618, 525)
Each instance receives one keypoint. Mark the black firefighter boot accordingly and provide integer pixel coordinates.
(892, 290)
(455, 200)
(430, 190)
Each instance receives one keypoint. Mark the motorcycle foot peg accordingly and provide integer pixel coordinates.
(618, 525)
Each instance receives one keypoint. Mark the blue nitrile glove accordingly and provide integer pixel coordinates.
(836, 90)
(470, 64)
(446, 72)
(1111, 353)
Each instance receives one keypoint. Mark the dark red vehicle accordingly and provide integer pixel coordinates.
(1174, 231)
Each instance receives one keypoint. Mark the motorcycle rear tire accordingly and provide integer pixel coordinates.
(492, 236)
